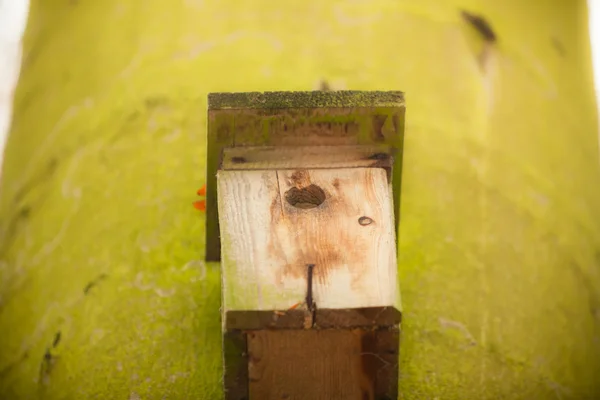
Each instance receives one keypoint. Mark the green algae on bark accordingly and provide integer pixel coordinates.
(500, 232)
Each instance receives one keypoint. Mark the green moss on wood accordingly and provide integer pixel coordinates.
(256, 127)
(314, 99)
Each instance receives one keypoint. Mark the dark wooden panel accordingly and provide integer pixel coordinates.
(254, 319)
(357, 317)
(323, 364)
(324, 318)
(220, 135)
(235, 364)
(386, 347)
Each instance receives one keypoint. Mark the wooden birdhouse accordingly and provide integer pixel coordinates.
(303, 202)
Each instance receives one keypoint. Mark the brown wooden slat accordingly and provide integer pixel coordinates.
(306, 157)
(324, 318)
(235, 362)
(358, 364)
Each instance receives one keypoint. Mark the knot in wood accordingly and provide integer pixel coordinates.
(364, 221)
(309, 197)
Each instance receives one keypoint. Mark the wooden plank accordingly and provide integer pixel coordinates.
(385, 358)
(270, 234)
(323, 364)
(358, 317)
(324, 318)
(298, 119)
(220, 135)
(313, 126)
(264, 319)
(235, 362)
(310, 99)
(307, 157)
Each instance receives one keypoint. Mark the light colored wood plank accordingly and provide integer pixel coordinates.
(317, 118)
(267, 242)
(308, 157)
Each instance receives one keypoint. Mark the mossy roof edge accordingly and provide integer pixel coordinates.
(312, 99)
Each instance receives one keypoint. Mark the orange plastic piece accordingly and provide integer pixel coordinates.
(200, 205)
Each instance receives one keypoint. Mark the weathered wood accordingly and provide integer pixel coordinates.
(275, 223)
(307, 157)
(282, 119)
(306, 214)
(358, 317)
(220, 135)
(268, 242)
(323, 364)
(312, 99)
(324, 318)
(235, 365)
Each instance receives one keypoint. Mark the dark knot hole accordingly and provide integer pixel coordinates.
(309, 197)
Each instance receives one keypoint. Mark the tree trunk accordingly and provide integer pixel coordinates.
(103, 291)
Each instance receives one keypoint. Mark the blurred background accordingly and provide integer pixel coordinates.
(13, 18)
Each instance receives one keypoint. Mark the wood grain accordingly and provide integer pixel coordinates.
(324, 318)
(336, 118)
(307, 157)
(235, 365)
(323, 364)
(268, 242)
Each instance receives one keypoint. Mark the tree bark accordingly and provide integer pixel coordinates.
(103, 291)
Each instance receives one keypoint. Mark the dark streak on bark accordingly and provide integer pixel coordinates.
(46, 366)
(56, 340)
(93, 283)
(481, 25)
(7, 369)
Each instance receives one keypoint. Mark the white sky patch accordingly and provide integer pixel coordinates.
(13, 18)
(594, 15)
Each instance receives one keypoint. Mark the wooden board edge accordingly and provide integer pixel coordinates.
(219, 137)
(305, 99)
(307, 157)
(387, 348)
(235, 365)
(367, 317)
(397, 173)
